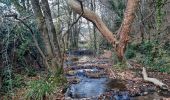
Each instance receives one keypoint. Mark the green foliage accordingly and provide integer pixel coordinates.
(18, 81)
(30, 71)
(151, 54)
(118, 7)
(38, 89)
(57, 80)
(166, 47)
(7, 84)
(161, 65)
(159, 12)
(130, 52)
(120, 66)
(23, 48)
(146, 47)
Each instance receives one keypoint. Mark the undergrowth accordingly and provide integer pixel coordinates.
(120, 66)
(43, 88)
(151, 54)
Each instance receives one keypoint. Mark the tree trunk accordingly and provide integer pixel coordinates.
(57, 58)
(42, 27)
(125, 28)
(93, 8)
(120, 46)
(48, 32)
(50, 25)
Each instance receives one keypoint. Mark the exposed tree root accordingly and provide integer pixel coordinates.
(153, 80)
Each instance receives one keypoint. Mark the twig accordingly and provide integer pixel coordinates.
(147, 17)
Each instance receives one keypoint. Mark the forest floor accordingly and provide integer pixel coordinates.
(98, 78)
(123, 83)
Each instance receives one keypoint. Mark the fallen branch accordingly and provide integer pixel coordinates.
(153, 80)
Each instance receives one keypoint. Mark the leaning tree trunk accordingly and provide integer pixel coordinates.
(94, 18)
(120, 45)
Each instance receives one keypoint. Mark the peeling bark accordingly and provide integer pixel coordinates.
(125, 28)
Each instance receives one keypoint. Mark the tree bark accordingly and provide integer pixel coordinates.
(94, 18)
(75, 33)
(129, 15)
(50, 26)
(42, 27)
(57, 57)
(93, 8)
(125, 28)
(49, 35)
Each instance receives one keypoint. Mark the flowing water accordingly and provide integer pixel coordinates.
(92, 82)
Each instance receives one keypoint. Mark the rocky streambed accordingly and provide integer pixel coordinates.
(90, 78)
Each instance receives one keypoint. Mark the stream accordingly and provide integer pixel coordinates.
(88, 80)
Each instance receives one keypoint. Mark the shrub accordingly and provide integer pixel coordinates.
(131, 51)
(146, 47)
(30, 71)
(18, 81)
(38, 89)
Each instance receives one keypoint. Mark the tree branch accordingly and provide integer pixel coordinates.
(82, 12)
(95, 19)
(32, 34)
